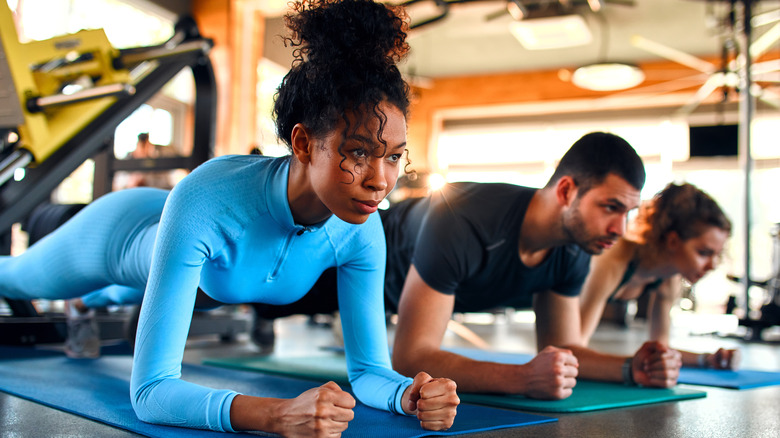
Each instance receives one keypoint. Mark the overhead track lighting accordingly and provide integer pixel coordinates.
(430, 11)
(517, 9)
(596, 5)
(551, 32)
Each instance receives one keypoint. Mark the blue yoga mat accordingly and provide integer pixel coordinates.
(492, 355)
(740, 379)
(99, 390)
(587, 395)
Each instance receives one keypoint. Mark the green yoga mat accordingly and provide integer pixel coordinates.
(587, 395)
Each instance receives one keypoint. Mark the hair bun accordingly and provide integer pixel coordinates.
(345, 59)
(336, 33)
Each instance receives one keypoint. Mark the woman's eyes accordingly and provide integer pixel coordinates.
(359, 153)
(362, 154)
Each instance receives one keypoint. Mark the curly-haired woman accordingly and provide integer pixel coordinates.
(260, 229)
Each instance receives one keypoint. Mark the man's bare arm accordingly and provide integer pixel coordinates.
(557, 323)
(423, 315)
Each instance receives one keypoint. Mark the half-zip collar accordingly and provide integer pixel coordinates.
(279, 206)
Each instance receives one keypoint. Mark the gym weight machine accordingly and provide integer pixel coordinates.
(49, 132)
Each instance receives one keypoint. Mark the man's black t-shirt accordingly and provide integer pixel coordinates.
(463, 240)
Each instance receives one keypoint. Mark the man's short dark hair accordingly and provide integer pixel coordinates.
(596, 155)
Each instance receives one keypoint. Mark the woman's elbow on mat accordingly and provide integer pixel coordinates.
(147, 409)
(174, 402)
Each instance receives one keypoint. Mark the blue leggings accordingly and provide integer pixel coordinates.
(109, 242)
(113, 295)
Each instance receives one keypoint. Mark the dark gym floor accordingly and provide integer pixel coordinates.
(723, 413)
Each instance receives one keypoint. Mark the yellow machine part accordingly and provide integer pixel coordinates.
(44, 132)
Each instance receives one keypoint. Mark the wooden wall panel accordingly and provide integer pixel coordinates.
(237, 28)
(503, 89)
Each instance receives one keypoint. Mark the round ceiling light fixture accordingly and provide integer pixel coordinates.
(608, 76)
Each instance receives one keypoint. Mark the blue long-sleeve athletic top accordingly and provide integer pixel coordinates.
(227, 227)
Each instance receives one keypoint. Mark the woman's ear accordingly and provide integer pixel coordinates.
(565, 190)
(301, 143)
(672, 240)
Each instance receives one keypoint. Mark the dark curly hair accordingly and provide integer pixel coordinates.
(345, 61)
(681, 208)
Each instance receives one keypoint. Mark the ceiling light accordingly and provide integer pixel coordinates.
(551, 32)
(608, 76)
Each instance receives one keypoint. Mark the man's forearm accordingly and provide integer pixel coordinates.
(470, 375)
(598, 366)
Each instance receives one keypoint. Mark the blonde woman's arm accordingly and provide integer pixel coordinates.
(606, 271)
